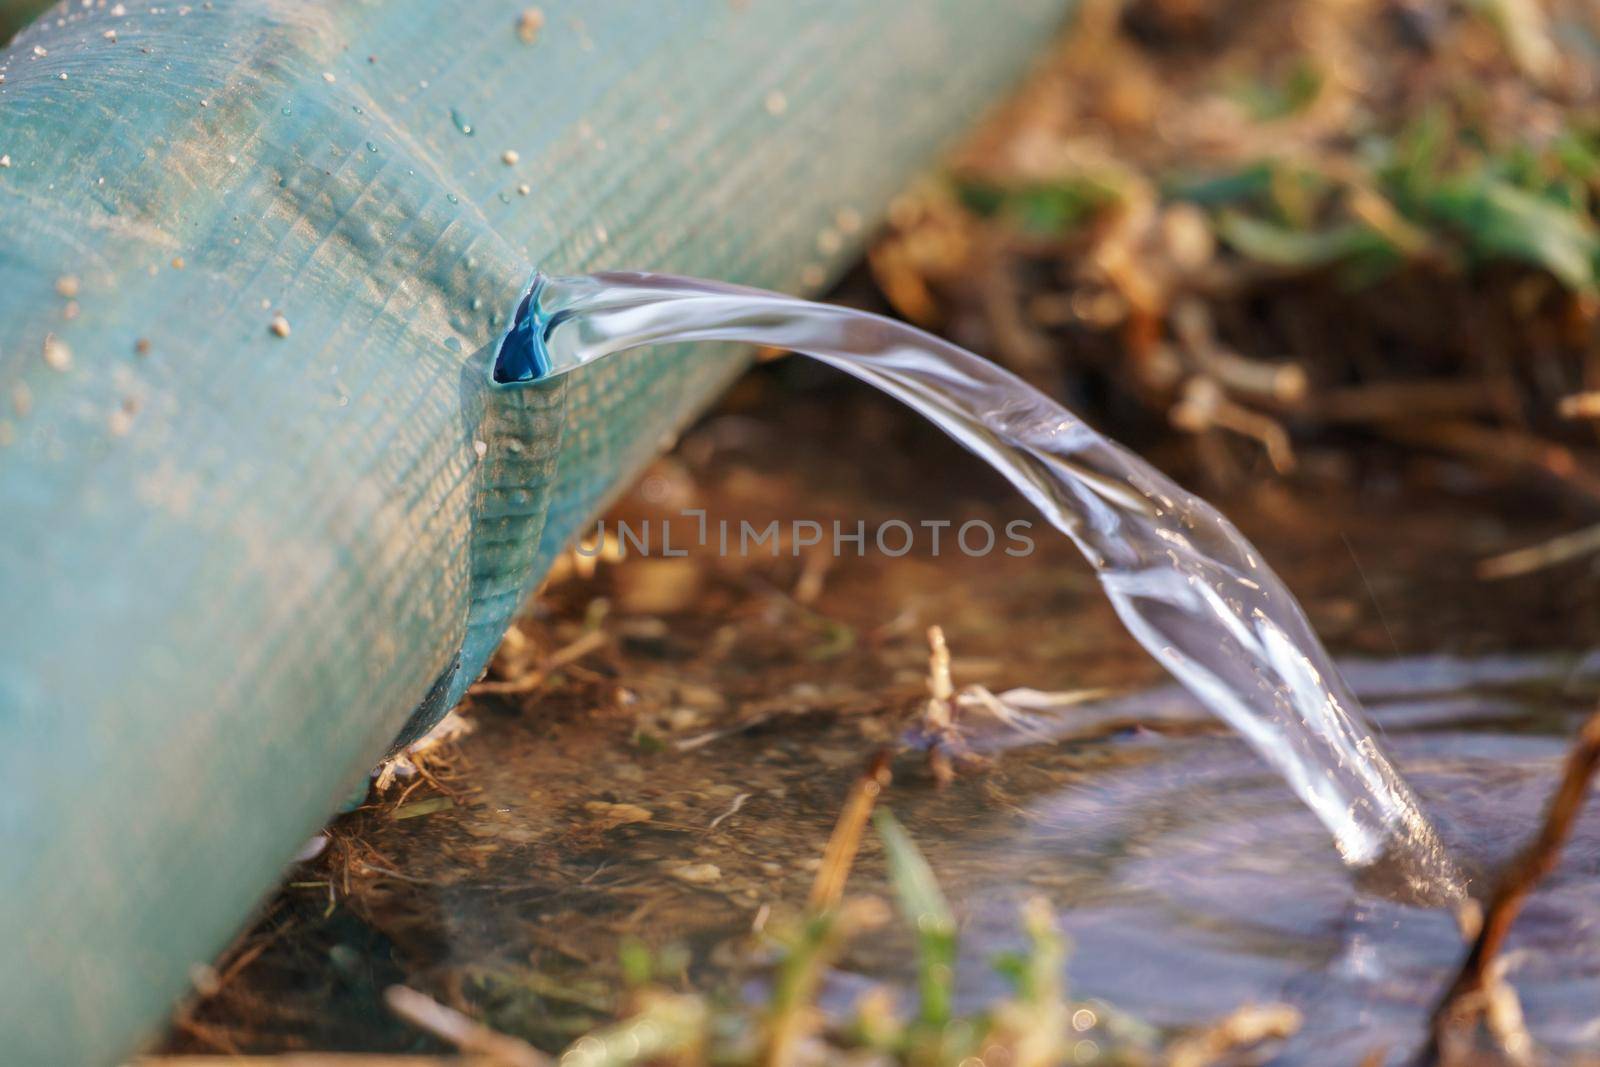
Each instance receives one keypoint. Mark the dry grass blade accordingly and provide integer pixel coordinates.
(1465, 1001)
(840, 855)
(466, 1034)
(1250, 1025)
(592, 641)
(1537, 557)
(830, 920)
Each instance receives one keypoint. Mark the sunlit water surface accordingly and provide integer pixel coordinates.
(1189, 886)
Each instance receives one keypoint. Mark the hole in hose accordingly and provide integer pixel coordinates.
(522, 356)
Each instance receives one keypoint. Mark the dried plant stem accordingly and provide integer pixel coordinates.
(592, 641)
(830, 920)
(845, 841)
(1465, 1001)
(1568, 546)
(1247, 1026)
(466, 1034)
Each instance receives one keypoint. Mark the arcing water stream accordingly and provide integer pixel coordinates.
(1187, 585)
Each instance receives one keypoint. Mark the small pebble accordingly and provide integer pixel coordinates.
(67, 286)
(37, 51)
(279, 326)
(328, 77)
(522, 190)
(618, 814)
(177, 262)
(142, 346)
(5, 161)
(110, 35)
(481, 448)
(62, 75)
(698, 873)
(117, 11)
(777, 103)
(57, 356)
(529, 23)
(509, 157)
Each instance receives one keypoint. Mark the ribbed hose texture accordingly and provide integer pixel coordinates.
(256, 504)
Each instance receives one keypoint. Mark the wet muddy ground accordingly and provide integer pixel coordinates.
(672, 779)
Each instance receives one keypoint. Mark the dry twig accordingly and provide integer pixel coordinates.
(1568, 546)
(843, 843)
(1468, 997)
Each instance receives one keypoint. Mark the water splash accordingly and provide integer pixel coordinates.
(1184, 581)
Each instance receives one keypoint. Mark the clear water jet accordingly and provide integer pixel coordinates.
(1186, 584)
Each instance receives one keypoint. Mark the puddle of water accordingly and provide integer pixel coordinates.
(1186, 879)
(1189, 886)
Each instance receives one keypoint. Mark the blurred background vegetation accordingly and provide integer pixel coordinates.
(1292, 226)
